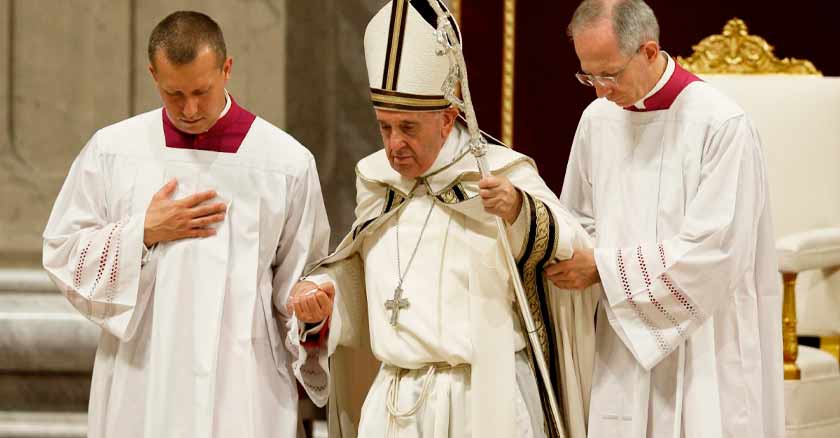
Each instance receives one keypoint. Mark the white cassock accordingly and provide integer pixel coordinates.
(190, 345)
(688, 331)
(455, 365)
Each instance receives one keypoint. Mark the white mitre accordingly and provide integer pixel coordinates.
(404, 70)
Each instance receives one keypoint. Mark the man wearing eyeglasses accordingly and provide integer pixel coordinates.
(667, 174)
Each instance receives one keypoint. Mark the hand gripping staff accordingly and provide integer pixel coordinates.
(451, 46)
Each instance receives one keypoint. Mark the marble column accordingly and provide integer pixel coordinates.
(64, 74)
(327, 95)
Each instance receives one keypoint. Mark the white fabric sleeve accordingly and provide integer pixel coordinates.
(93, 257)
(305, 237)
(659, 293)
(519, 229)
(347, 327)
(310, 363)
(577, 185)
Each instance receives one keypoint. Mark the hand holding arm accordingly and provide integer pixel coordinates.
(578, 272)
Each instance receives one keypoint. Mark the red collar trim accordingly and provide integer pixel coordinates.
(664, 98)
(226, 135)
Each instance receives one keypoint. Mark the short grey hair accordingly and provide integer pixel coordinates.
(633, 21)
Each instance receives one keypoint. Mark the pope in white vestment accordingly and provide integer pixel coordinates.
(191, 344)
(456, 285)
(672, 186)
(455, 361)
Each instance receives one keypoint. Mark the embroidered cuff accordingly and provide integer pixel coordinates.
(518, 230)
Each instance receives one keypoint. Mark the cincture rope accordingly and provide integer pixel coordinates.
(394, 391)
(394, 397)
(393, 394)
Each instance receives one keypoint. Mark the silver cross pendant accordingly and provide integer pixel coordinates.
(395, 305)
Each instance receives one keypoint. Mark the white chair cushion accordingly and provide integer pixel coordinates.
(818, 302)
(812, 404)
(815, 364)
(813, 249)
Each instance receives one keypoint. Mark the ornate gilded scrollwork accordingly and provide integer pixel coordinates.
(735, 51)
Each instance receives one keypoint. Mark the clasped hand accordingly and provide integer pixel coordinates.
(310, 302)
(168, 219)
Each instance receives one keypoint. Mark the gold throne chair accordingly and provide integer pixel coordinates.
(797, 113)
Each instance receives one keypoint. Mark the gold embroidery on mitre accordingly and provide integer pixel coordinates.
(388, 99)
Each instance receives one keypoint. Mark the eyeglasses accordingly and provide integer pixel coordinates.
(605, 81)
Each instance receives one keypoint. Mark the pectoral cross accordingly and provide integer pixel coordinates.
(395, 305)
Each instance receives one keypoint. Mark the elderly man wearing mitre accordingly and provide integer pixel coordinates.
(420, 278)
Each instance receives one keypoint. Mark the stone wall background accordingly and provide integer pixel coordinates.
(327, 95)
(70, 67)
